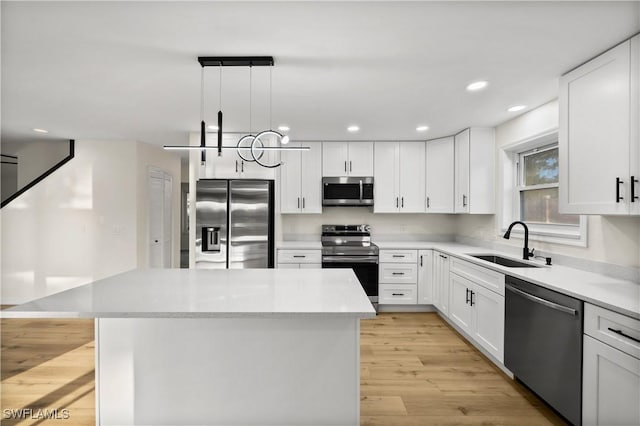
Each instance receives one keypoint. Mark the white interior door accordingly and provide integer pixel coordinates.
(160, 219)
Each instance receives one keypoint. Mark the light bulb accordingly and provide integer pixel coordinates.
(284, 140)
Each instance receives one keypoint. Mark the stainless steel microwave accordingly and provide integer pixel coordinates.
(347, 191)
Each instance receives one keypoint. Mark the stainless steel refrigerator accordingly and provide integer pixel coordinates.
(234, 224)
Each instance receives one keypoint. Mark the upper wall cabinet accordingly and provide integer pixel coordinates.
(599, 150)
(301, 179)
(399, 180)
(347, 159)
(474, 152)
(440, 175)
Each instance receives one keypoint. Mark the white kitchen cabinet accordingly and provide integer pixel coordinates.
(599, 135)
(299, 259)
(301, 179)
(229, 165)
(398, 277)
(425, 277)
(440, 173)
(474, 152)
(399, 177)
(611, 368)
(610, 385)
(347, 159)
(441, 282)
(479, 312)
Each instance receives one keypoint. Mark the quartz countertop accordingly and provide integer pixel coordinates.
(611, 293)
(206, 293)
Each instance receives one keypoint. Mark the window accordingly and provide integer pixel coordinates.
(530, 179)
(538, 187)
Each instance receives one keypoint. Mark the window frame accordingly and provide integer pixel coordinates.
(512, 172)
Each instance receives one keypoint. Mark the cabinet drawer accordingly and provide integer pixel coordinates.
(487, 278)
(613, 328)
(398, 273)
(397, 294)
(299, 256)
(399, 256)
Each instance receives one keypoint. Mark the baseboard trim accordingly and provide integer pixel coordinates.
(406, 308)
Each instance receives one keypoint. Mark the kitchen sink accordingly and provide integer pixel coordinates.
(504, 261)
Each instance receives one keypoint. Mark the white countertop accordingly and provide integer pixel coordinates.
(611, 293)
(202, 293)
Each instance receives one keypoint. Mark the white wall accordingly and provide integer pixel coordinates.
(611, 239)
(383, 226)
(78, 225)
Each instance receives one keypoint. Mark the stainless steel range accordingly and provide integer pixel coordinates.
(349, 246)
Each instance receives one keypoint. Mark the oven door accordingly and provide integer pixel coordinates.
(365, 268)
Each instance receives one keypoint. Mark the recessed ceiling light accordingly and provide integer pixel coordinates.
(283, 128)
(353, 128)
(40, 130)
(212, 127)
(477, 85)
(422, 128)
(516, 108)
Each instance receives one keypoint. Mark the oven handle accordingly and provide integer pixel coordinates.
(349, 259)
(542, 301)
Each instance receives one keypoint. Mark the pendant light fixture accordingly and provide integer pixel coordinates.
(253, 143)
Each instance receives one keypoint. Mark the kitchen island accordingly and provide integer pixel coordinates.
(184, 346)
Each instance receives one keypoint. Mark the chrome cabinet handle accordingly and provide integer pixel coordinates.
(634, 197)
(618, 197)
(397, 273)
(397, 294)
(542, 301)
(299, 255)
(360, 190)
(621, 333)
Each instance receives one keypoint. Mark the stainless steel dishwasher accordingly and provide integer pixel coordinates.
(543, 344)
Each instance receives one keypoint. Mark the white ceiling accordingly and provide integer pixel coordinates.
(128, 70)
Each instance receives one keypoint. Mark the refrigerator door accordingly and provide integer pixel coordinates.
(250, 224)
(211, 224)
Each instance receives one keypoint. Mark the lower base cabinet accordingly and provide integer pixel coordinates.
(441, 282)
(479, 312)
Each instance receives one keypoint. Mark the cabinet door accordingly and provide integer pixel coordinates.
(461, 155)
(412, 177)
(460, 309)
(360, 159)
(594, 137)
(335, 159)
(440, 175)
(635, 124)
(425, 277)
(488, 322)
(311, 192)
(290, 180)
(441, 282)
(610, 385)
(386, 177)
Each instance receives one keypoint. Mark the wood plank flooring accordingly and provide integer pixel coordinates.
(415, 370)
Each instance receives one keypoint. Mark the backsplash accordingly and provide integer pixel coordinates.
(384, 227)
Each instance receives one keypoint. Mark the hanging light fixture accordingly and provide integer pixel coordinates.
(253, 143)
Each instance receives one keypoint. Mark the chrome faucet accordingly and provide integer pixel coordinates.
(526, 254)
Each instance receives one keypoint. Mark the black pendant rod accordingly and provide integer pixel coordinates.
(236, 61)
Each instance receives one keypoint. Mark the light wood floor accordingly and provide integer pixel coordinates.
(415, 370)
